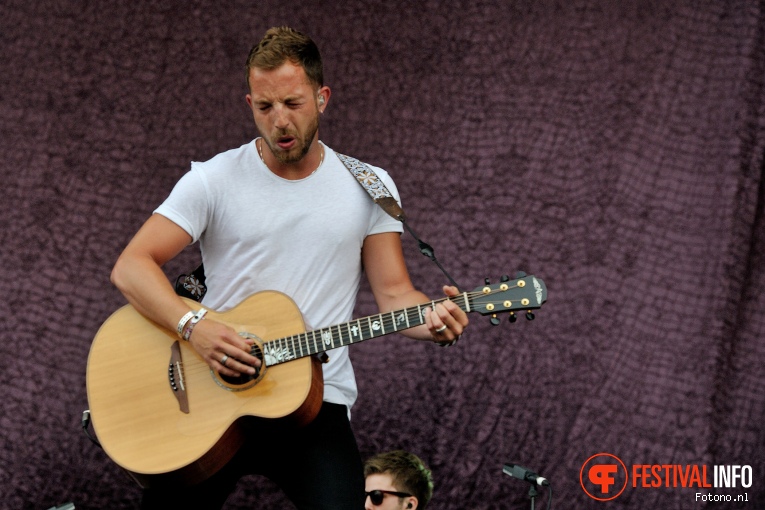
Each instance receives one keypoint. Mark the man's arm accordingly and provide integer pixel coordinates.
(138, 275)
(389, 279)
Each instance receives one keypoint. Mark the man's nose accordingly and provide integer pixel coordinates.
(281, 119)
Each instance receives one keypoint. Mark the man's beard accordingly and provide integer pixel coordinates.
(300, 149)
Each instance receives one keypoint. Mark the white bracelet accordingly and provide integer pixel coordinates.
(196, 317)
(182, 323)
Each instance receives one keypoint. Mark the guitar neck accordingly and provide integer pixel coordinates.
(525, 293)
(288, 348)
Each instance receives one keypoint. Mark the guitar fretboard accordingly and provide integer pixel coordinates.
(288, 348)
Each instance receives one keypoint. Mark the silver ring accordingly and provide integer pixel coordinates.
(441, 329)
(224, 359)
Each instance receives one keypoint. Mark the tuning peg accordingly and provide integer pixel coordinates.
(504, 278)
(512, 317)
(530, 315)
(520, 274)
(494, 320)
(486, 281)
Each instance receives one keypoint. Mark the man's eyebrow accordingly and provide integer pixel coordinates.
(287, 99)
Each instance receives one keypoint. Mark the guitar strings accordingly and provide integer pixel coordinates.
(310, 342)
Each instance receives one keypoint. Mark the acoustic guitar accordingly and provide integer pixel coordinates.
(165, 417)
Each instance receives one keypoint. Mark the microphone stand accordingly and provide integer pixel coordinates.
(533, 494)
(532, 478)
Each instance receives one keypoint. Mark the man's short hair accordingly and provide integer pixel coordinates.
(285, 44)
(408, 473)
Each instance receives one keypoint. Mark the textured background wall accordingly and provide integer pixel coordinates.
(615, 149)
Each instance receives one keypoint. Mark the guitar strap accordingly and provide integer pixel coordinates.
(376, 189)
(373, 185)
(379, 192)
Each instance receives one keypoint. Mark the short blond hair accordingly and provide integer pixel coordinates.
(285, 44)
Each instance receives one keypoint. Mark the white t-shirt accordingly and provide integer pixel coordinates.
(258, 231)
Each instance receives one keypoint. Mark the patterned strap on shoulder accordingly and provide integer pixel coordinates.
(373, 185)
(379, 192)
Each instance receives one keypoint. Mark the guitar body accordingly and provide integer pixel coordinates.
(138, 419)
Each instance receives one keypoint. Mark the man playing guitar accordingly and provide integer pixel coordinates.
(279, 213)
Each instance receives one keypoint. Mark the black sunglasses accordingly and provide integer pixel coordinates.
(376, 496)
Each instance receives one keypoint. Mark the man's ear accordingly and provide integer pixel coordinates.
(413, 503)
(323, 97)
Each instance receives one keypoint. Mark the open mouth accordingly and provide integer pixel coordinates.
(286, 142)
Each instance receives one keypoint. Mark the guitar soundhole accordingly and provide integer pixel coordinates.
(245, 381)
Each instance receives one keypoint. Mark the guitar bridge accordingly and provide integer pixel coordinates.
(175, 377)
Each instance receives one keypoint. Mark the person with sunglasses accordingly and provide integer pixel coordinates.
(397, 480)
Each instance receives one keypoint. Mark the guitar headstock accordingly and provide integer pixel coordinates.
(526, 293)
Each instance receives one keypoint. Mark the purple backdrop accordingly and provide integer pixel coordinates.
(614, 149)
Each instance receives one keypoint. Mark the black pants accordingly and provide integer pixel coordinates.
(318, 467)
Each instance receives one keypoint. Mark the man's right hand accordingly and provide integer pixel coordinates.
(223, 349)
